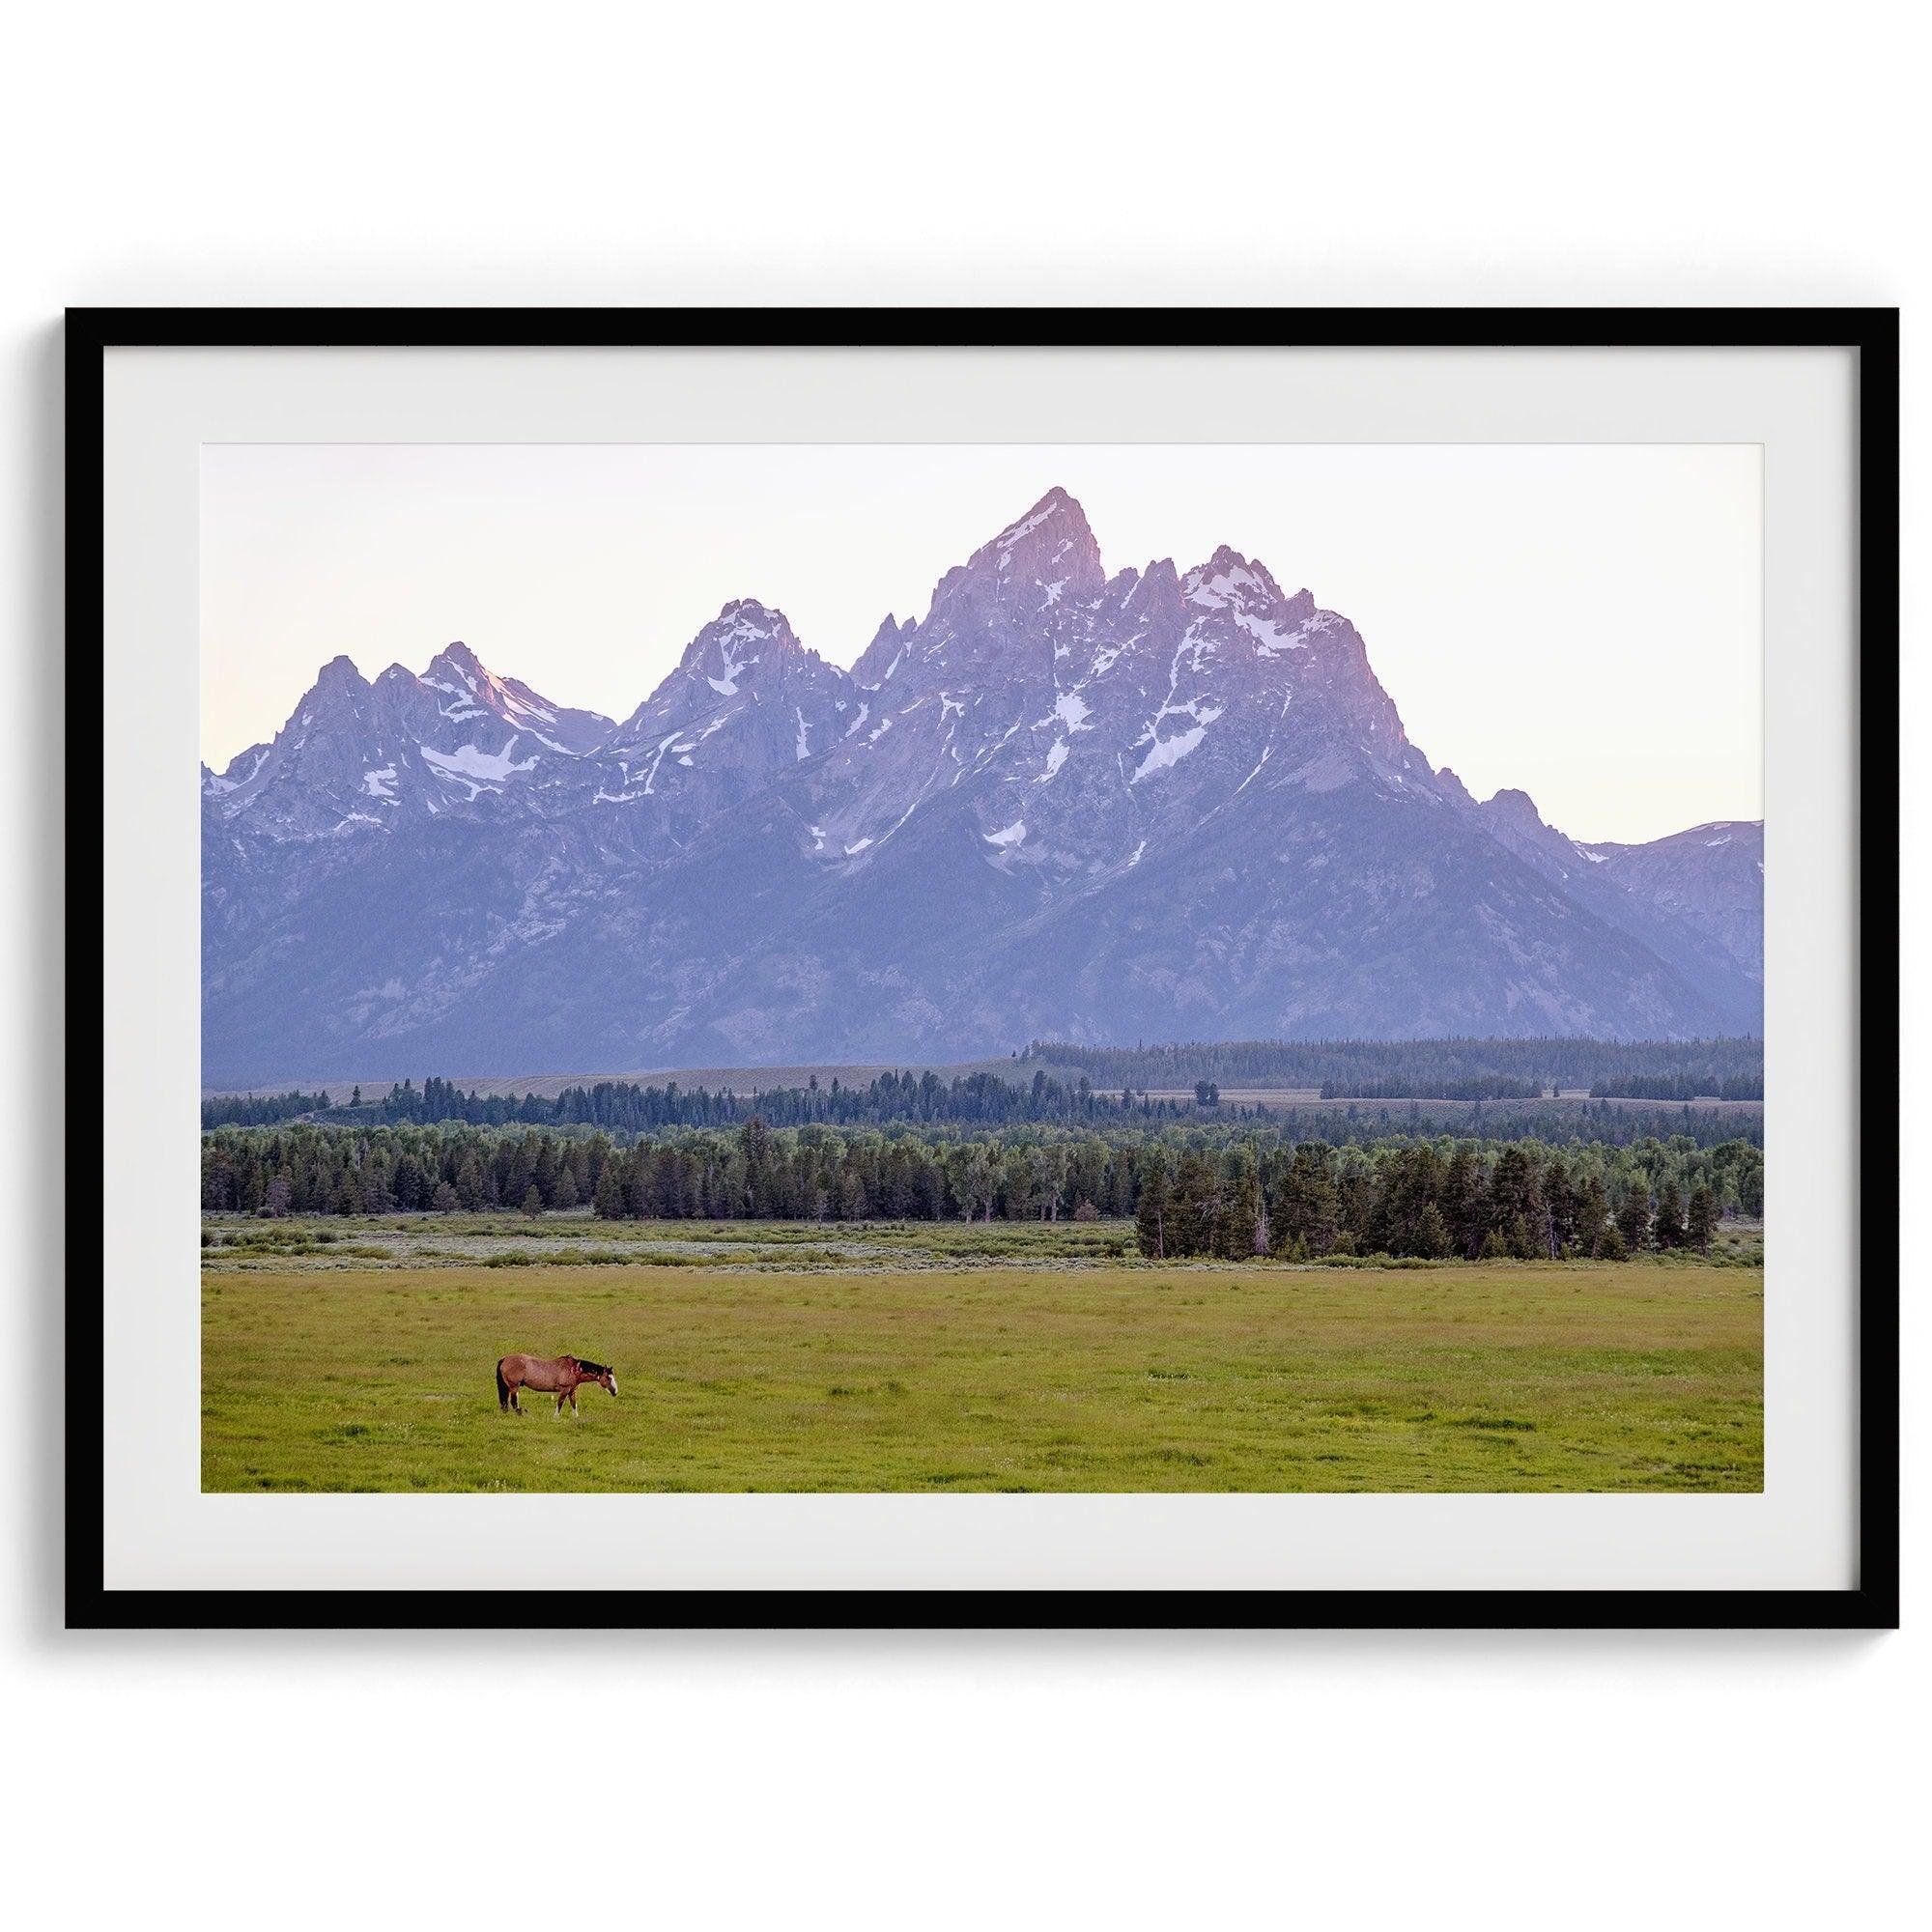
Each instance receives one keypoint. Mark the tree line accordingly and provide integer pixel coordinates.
(259, 1109)
(1191, 1190)
(1429, 1067)
(620, 1106)
(1680, 1087)
(1435, 1201)
(983, 1101)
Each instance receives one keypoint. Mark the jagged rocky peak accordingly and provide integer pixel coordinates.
(339, 673)
(1515, 808)
(459, 672)
(1511, 817)
(458, 656)
(743, 636)
(337, 707)
(1048, 555)
(1230, 578)
(467, 689)
(1236, 596)
(1231, 581)
(881, 657)
(355, 754)
(747, 699)
(336, 702)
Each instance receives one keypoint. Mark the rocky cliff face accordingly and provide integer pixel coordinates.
(1162, 804)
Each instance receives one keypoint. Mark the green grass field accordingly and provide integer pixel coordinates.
(924, 1359)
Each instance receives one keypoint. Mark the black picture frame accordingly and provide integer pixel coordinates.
(1872, 333)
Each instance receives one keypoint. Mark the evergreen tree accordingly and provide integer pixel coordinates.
(1591, 1211)
(1240, 1230)
(1464, 1203)
(1703, 1218)
(1018, 1184)
(1633, 1213)
(1192, 1207)
(469, 1183)
(1432, 1234)
(1515, 1201)
(1150, 1216)
(609, 1202)
(1668, 1231)
(1305, 1208)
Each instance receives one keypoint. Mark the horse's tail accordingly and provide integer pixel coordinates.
(502, 1388)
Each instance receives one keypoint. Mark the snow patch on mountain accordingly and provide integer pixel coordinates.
(1216, 592)
(1267, 636)
(1168, 753)
(1013, 532)
(471, 765)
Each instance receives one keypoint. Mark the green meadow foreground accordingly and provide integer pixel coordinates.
(922, 1358)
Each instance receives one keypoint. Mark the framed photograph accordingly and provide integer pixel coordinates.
(1084, 968)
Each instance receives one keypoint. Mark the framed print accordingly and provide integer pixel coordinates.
(1012, 967)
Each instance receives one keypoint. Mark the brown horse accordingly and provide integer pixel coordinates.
(556, 1375)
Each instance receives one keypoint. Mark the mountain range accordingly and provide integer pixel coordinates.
(1158, 804)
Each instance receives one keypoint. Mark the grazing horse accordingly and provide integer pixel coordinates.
(554, 1375)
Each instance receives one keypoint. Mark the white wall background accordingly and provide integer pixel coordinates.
(1023, 153)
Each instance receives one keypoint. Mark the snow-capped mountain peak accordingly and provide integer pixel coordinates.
(1163, 804)
(355, 755)
(1049, 553)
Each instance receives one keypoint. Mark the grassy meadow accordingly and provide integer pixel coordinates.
(944, 1357)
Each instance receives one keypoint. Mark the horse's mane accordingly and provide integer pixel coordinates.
(591, 1368)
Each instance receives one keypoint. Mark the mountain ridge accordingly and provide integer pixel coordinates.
(1060, 803)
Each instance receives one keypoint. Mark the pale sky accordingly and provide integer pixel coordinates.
(1583, 622)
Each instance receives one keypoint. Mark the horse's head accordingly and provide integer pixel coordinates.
(597, 1373)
